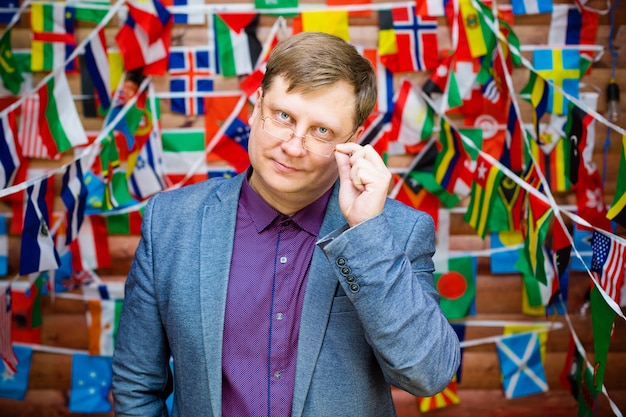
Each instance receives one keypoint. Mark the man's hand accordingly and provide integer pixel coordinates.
(364, 181)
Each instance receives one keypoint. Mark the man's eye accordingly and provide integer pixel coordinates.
(283, 117)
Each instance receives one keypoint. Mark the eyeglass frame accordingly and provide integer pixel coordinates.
(304, 137)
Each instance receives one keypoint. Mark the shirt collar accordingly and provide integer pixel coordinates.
(309, 218)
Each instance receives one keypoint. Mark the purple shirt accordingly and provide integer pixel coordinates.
(268, 275)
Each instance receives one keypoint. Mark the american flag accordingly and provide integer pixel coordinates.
(6, 347)
(607, 263)
(28, 131)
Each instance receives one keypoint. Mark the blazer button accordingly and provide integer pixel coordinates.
(341, 261)
(345, 270)
(354, 287)
(350, 278)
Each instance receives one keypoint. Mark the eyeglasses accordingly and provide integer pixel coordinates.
(316, 142)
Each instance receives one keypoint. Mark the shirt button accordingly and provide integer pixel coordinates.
(283, 259)
(276, 374)
(279, 316)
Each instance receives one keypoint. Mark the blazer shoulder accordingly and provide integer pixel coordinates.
(194, 195)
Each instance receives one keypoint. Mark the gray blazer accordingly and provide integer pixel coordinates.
(362, 329)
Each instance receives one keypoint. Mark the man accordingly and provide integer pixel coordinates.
(296, 288)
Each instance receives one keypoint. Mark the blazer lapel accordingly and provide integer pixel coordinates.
(321, 288)
(216, 245)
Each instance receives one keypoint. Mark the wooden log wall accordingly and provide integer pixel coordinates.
(498, 296)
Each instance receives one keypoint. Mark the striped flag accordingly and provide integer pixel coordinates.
(617, 212)
(333, 22)
(9, 152)
(37, 251)
(102, 308)
(59, 124)
(6, 346)
(97, 60)
(74, 196)
(183, 156)
(536, 92)
(539, 214)
(188, 17)
(4, 246)
(487, 178)
(237, 45)
(147, 177)
(90, 250)
(52, 22)
(28, 129)
(449, 396)
(451, 169)
(413, 119)
(608, 263)
(429, 7)
(531, 6)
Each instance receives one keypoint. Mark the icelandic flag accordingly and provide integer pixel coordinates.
(37, 251)
(190, 71)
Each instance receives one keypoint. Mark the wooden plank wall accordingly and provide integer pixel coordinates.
(498, 297)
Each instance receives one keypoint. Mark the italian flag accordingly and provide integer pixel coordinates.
(60, 126)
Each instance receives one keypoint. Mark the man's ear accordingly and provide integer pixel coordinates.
(357, 134)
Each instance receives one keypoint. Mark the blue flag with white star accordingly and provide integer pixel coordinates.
(91, 383)
(14, 385)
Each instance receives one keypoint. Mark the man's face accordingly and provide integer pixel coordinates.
(284, 173)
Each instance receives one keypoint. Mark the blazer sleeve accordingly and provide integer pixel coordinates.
(386, 269)
(141, 375)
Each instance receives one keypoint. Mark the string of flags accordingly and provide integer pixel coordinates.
(506, 170)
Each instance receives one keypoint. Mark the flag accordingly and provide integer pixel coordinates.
(9, 70)
(116, 191)
(539, 214)
(91, 383)
(90, 250)
(603, 322)
(103, 317)
(506, 209)
(37, 251)
(577, 378)
(183, 156)
(233, 145)
(147, 177)
(333, 22)
(590, 199)
(52, 22)
(531, 6)
(26, 325)
(487, 178)
(576, 128)
(144, 39)
(74, 196)
(537, 92)
(608, 263)
(457, 287)
(429, 7)
(562, 68)
(276, 4)
(561, 255)
(28, 129)
(59, 124)
(15, 385)
(227, 116)
(193, 16)
(124, 223)
(251, 83)
(10, 159)
(447, 397)
(191, 72)
(520, 364)
(4, 246)
(617, 212)
(98, 67)
(94, 11)
(571, 25)
(513, 152)
(473, 33)
(362, 13)
(501, 260)
(237, 45)
(407, 42)
(7, 352)
(413, 119)
(8, 8)
(451, 169)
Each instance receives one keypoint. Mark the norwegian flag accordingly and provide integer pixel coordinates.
(415, 37)
(6, 347)
(191, 71)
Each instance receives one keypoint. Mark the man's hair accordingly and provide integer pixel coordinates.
(313, 60)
